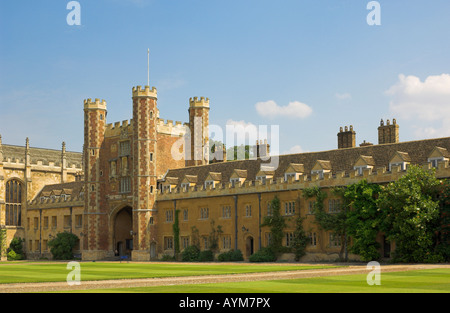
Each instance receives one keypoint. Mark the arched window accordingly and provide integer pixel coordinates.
(13, 203)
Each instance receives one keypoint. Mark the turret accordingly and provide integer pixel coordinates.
(144, 165)
(198, 126)
(94, 131)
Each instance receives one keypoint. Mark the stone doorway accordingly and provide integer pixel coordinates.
(123, 236)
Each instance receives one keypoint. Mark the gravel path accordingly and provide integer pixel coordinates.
(128, 283)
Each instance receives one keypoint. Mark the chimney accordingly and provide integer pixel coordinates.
(388, 133)
(347, 138)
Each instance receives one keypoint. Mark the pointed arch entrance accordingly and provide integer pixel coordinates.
(123, 232)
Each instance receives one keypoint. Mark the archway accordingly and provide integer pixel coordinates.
(123, 236)
(249, 246)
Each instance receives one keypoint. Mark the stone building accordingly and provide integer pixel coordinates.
(122, 195)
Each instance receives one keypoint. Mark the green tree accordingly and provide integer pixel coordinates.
(300, 239)
(277, 224)
(62, 246)
(176, 233)
(363, 219)
(335, 222)
(409, 215)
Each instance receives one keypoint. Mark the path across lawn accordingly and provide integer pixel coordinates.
(243, 272)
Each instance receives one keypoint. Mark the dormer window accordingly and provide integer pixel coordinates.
(438, 155)
(321, 167)
(209, 183)
(185, 186)
(400, 159)
(264, 174)
(293, 171)
(363, 162)
(235, 182)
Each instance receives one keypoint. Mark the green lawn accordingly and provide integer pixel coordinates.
(52, 272)
(421, 281)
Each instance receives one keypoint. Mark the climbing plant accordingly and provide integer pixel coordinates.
(277, 225)
(176, 232)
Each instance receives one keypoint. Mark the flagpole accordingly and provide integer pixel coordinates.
(148, 67)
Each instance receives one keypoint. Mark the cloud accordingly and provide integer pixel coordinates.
(343, 96)
(426, 104)
(240, 123)
(294, 109)
(294, 149)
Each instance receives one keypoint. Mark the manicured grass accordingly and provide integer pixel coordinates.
(53, 272)
(420, 281)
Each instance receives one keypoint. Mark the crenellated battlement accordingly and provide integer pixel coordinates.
(118, 128)
(168, 127)
(328, 180)
(57, 202)
(97, 104)
(196, 102)
(145, 92)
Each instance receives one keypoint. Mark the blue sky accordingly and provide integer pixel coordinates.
(308, 66)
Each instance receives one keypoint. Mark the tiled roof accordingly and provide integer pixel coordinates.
(339, 160)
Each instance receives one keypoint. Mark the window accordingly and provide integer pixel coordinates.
(185, 215)
(209, 183)
(168, 243)
(311, 205)
(360, 169)
(226, 211)
(334, 205)
(151, 157)
(45, 222)
(320, 172)
(54, 222)
(248, 210)
(313, 239)
(169, 215)
(205, 242)
(67, 221)
(13, 203)
(287, 176)
(226, 242)
(289, 208)
(36, 223)
(262, 179)
(125, 184)
(235, 182)
(184, 242)
(435, 161)
(335, 241)
(204, 213)
(289, 239)
(269, 209)
(185, 186)
(402, 165)
(124, 148)
(78, 220)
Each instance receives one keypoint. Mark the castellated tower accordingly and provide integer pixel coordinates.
(95, 220)
(198, 126)
(388, 133)
(144, 170)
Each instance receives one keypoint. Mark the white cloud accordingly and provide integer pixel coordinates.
(294, 109)
(425, 104)
(240, 123)
(294, 149)
(343, 96)
(428, 100)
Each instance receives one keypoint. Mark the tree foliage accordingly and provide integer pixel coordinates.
(277, 224)
(409, 215)
(363, 219)
(62, 246)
